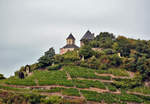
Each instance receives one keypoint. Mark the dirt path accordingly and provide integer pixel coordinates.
(81, 96)
(137, 93)
(112, 76)
(36, 81)
(68, 76)
(61, 69)
(108, 81)
(54, 86)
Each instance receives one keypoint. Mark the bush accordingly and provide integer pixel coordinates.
(128, 83)
(115, 60)
(86, 52)
(108, 51)
(71, 56)
(47, 59)
(103, 67)
(84, 64)
(34, 66)
(53, 100)
(54, 67)
(58, 58)
(1, 76)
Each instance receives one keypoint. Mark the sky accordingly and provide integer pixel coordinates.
(28, 28)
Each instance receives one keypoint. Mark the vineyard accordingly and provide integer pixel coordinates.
(90, 85)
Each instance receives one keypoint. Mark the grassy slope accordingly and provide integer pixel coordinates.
(84, 83)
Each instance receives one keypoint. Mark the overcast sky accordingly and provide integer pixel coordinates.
(30, 27)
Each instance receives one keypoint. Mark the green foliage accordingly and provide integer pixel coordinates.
(143, 66)
(34, 66)
(81, 72)
(143, 46)
(103, 40)
(104, 67)
(43, 78)
(128, 83)
(20, 98)
(52, 100)
(86, 51)
(12, 88)
(115, 72)
(115, 60)
(108, 51)
(122, 46)
(142, 89)
(71, 56)
(33, 98)
(47, 59)
(70, 92)
(58, 58)
(54, 67)
(111, 87)
(90, 63)
(17, 81)
(2, 76)
(103, 62)
(88, 84)
(110, 98)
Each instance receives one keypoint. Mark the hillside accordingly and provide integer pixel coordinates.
(79, 85)
(117, 72)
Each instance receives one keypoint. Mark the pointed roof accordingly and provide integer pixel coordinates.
(71, 36)
(88, 36)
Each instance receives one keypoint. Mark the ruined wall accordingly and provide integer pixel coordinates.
(64, 50)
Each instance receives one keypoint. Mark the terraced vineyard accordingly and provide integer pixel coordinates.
(90, 85)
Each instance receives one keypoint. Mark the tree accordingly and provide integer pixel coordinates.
(143, 47)
(115, 60)
(21, 75)
(143, 66)
(86, 51)
(71, 56)
(103, 40)
(47, 59)
(2, 76)
(122, 46)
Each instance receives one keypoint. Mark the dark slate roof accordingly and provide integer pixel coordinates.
(71, 37)
(70, 46)
(88, 36)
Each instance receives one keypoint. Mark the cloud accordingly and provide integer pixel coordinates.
(29, 27)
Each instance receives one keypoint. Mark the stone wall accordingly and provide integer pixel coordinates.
(64, 50)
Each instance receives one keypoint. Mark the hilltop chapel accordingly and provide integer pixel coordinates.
(70, 46)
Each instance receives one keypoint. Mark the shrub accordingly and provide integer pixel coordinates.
(1, 76)
(47, 59)
(70, 92)
(86, 51)
(128, 83)
(143, 89)
(108, 51)
(71, 56)
(115, 72)
(115, 60)
(52, 100)
(54, 67)
(84, 64)
(103, 67)
(58, 58)
(34, 66)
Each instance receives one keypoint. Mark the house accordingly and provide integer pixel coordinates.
(88, 36)
(70, 46)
